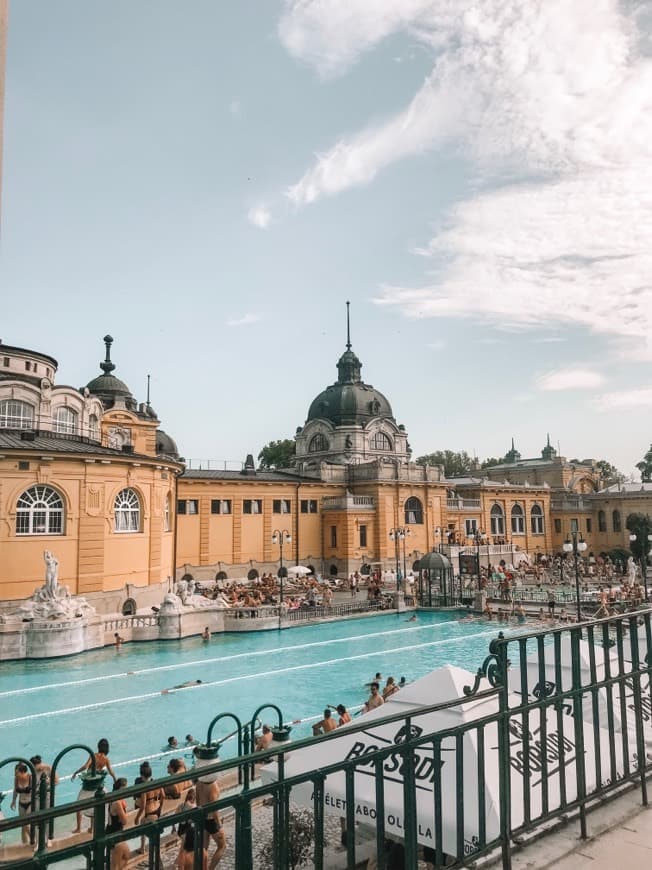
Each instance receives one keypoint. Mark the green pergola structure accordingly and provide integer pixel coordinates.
(435, 581)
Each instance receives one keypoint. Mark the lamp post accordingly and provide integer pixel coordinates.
(440, 532)
(645, 542)
(478, 537)
(577, 545)
(398, 535)
(281, 537)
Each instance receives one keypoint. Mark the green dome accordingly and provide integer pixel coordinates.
(106, 386)
(349, 404)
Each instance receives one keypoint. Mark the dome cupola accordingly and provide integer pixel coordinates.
(107, 387)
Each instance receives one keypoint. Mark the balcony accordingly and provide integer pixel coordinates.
(571, 503)
(348, 503)
(463, 504)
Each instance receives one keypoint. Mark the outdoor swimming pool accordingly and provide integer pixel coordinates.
(47, 705)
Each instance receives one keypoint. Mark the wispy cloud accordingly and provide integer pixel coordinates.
(439, 344)
(552, 104)
(260, 216)
(570, 379)
(245, 320)
(627, 399)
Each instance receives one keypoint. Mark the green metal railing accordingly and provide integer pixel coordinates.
(555, 722)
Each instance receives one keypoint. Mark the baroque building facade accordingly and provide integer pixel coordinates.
(89, 474)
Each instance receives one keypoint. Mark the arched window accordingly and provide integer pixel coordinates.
(126, 511)
(615, 521)
(16, 415)
(380, 441)
(536, 519)
(518, 520)
(497, 520)
(602, 521)
(413, 512)
(39, 511)
(65, 420)
(318, 443)
(94, 427)
(167, 526)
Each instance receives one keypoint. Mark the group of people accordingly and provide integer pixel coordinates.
(26, 787)
(377, 697)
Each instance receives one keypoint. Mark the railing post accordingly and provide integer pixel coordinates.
(99, 819)
(504, 779)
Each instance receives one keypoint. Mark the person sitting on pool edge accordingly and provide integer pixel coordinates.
(264, 740)
(325, 725)
(375, 699)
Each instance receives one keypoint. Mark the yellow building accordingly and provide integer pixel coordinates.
(88, 474)
(84, 473)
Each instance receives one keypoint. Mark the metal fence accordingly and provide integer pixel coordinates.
(555, 722)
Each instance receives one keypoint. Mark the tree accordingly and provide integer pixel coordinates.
(608, 472)
(641, 526)
(277, 454)
(488, 463)
(300, 844)
(645, 466)
(455, 464)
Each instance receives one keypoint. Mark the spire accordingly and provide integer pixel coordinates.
(548, 451)
(512, 454)
(348, 327)
(148, 401)
(348, 365)
(107, 366)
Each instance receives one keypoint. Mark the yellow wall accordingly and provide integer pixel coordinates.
(92, 556)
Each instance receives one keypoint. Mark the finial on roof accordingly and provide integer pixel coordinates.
(348, 327)
(148, 401)
(512, 442)
(548, 436)
(107, 366)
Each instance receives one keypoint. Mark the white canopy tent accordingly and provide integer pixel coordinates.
(561, 679)
(299, 570)
(467, 766)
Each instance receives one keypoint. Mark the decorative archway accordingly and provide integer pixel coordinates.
(252, 574)
(221, 575)
(129, 607)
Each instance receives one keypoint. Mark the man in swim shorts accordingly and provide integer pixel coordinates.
(208, 793)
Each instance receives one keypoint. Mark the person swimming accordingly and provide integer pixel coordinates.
(185, 685)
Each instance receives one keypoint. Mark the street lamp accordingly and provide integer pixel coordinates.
(576, 546)
(644, 551)
(281, 537)
(398, 535)
(478, 537)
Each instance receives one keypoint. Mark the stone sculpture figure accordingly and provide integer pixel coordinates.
(631, 570)
(51, 572)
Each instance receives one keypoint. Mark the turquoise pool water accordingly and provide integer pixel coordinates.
(46, 705)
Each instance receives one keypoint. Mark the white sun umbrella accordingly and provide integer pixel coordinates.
(466, 767)
(299, 570)
(560, 679)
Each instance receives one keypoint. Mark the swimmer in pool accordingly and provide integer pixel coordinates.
(185, 685)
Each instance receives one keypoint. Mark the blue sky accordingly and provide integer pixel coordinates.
(209, 183)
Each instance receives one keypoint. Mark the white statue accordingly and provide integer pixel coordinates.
(631, 570)
(51, 572)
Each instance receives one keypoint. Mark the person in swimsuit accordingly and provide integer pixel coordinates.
(208, 793)
(23, 794)
(149, 803)
(186, 857)
(175, 790)
(390, 688)
(120, 853)
(344, 715)
(101, 763)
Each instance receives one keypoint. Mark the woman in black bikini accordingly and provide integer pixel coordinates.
(22, 793)
(120, 853)
(149, 803)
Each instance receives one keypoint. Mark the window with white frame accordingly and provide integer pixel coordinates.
(281, 506)
(470, 527)
(126, 511)
(167, 514)
(497, 518)
(220, 505)
(15, 414)
(536, 519)
(189, 506)
(39, 511)
(252, 506)
(518, 520)
(64, 420)
(94, 427)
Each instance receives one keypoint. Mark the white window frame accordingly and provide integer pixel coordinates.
(40, 511)
(16, 414)
(537, 524)
(127, 512)
(497, 520)
(518, 520)
(470, 527)
(64, 420)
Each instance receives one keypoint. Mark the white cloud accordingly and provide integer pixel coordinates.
(260, 216)
(570, 379)
(627, 399)
(245, 320)
(552, 103)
